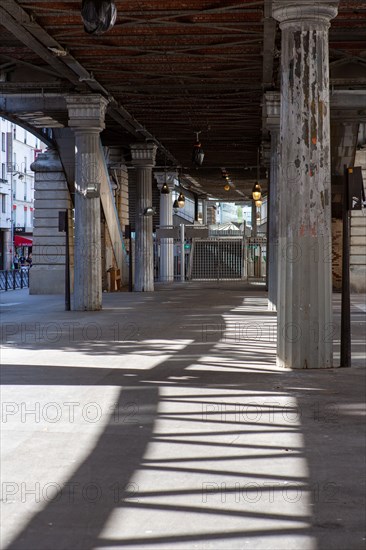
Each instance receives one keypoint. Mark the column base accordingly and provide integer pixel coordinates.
(47, 280)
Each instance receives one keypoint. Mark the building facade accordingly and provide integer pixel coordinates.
(19, 148)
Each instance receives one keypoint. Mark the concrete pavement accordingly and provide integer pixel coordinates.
(163, 422)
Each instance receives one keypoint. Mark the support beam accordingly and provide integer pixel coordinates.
(86, 118)
(272, 123)
(143, 158)
(304, 293)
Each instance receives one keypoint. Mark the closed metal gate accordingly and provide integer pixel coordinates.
(216, 259)
(181, 255)
(256, 258)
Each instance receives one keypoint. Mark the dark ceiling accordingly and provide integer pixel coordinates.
(172, 67)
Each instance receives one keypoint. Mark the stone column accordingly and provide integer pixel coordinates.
(143, 158)
(254, 220)
(272, 107)
(51, 195)
(86, 118)
(204, 212)
(166, 220)
(304, 291)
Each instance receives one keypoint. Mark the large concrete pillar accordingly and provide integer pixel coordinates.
(143, 158)
(272, 104)
(304, 291)
(51, 195)
(86, 118)
(166, 271)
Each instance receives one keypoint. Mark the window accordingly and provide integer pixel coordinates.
(15, 132)
(3, 170)
(3, 204)
(25, 165)
(14, 161)
(25, 190)
(14, 189)
(3, 141)
(25, 136)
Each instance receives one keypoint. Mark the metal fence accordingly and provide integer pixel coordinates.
(220, 259)
(256, 258)
(205, 257)
(14, 279)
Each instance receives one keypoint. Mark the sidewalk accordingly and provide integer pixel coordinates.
(162, 422)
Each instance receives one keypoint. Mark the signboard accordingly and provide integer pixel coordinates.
(193, 232)
(356, 191)
(167, 233)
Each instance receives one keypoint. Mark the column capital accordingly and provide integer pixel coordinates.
(293, 12)
(168, 177)
(48, 161)
(87, 111)
(143, 154)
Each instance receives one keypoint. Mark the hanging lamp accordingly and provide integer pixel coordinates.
(98, 16)
(197, 153)
(257, 190)
(181, 200)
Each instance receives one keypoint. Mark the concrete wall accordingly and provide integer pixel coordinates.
(47, 275)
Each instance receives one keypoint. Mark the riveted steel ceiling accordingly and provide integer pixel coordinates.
(174, 67)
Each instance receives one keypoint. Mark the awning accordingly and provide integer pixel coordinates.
(22, 241)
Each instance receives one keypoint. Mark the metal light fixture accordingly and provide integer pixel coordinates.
(98, 16)
(175, 205)
(257, 190)
(227, 187)
(181, 200)
(149, 211)
(165, 189)
(92, 190)
(197, 153)
(259, 203)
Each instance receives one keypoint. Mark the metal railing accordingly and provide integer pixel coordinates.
(14, 279)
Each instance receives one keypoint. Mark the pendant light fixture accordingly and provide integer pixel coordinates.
(165, 187)
(257, 190)
(181, 200)
(197, 153)
(98, 16)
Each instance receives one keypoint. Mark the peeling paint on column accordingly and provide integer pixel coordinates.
(305, 217)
